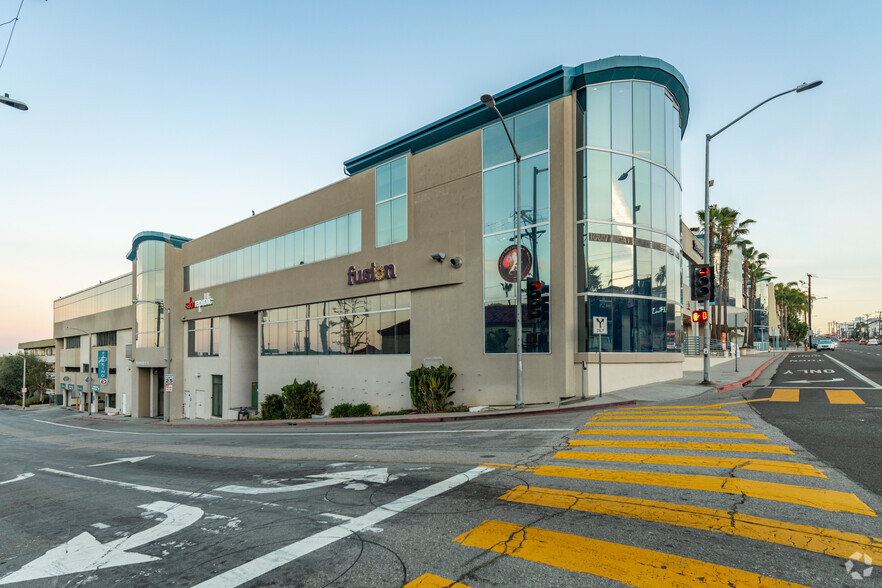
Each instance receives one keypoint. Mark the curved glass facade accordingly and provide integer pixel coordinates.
(150, 285)
(628, 214)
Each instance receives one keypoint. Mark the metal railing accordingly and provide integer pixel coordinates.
(695, 346)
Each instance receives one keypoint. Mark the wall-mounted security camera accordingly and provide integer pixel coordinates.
(456, 262)
(439, 257)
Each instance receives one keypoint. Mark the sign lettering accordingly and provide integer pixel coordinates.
(374, 273)
(207, 300)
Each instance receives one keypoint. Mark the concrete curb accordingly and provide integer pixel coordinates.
(417, 418)
(752, 376)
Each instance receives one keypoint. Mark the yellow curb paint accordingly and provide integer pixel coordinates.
(641, 432)
(629, 565)
(817, 539)
(843, 397)
(785, 395)
(433, 581)
(745, 447)
(830, 500)
(698, 461)
(505, 466)
(667, 417)
(666, 424)
(679, 412)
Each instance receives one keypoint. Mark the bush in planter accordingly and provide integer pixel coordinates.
(272, 407)
(352, 410)
(430, 388)
(302, 400)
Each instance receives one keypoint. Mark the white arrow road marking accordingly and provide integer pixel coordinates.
(815, 381)
(121, 460)
(18, 478)
(257, 567)
(84, 553)
(152, 489)
(376, 475)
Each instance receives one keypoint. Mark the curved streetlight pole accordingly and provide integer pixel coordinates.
(490, 103)
(707, 256)
(18, 104)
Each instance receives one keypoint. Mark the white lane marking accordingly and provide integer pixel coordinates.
(152, 489)
(84, 553)
(121, 460)
(814, 381)
(18, 478)
(266, 563)
(376, 475)
(856, 373)
(207, 433)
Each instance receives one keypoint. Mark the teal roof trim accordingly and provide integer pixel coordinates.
(173, 240)
(548, 86)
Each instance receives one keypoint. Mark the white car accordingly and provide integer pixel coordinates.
(825, 345)
(873, 342)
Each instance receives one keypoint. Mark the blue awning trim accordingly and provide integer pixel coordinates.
(173, 240)
(545, 87)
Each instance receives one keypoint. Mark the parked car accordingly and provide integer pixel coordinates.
(825, 345)
(873, 342)
(862, 342)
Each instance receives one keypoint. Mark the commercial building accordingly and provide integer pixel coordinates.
(410, 260)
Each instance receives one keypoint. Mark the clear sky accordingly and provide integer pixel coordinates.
(183, 117)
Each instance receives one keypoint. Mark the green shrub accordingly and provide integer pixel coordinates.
(272, 408)
(352, 410)
(396, 412)
(430, 388)
(302, 400)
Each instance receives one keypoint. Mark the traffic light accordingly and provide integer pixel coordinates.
(702, 283)
(546, 298)
(534, 299)
(699, 316)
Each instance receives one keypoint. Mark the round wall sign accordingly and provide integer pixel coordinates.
(508, 263)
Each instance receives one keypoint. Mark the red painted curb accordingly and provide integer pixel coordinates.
(749, 378)
(432, 418)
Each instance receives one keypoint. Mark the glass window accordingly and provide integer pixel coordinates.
(657, 121)
(597, 238)
(658, 198)
(671, 136)
(384, 182)
(399, 220)
(642, 127)
(623, 261)
(643, 183)
(625, 180)
(262, 257)
(342, 230)
(643, 254)
(599, 193)
(499, 199)
(622, 117)
(496, 147)
(298, 247)
(673, 214)
(597, 116)
(319, 236)
(534, 190)
(391, 209)
(659, 273)
(355, 232)
(398, 171)
(531, 131)
(309, 245)
(384, 223)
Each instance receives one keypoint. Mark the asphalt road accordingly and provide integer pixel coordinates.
(702, 491)
(842, 429)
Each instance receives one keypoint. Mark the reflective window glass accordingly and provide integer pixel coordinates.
(531, 131)
(399, 220)
(642, 127)
(671, 136)
(597, 116)
(298, 248)
(330, 239)
(355, 232)
(496, 147)
(599, 194)
(622, 117)
(643, 183)
(384, 223)
(534, 190)
(499, 199)
(384, 182)
(658, 198)
(598, 245)
(624, 183)
(342, 235)
(657, 123)
(309, 245)
(398, 172)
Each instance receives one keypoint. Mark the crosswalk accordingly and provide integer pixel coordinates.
(833, 396)
(609, 468)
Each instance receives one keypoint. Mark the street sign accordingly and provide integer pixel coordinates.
(600, 325)
(102, 363)
(169, 379)
(96, 388)
(24, 390)
(103, 381)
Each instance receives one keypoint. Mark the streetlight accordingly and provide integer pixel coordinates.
(93, 402)
(800, 88)
(160, 305)
(5, 99)
(490, 103)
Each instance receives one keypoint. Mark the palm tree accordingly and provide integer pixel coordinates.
(724, 229)
(789, 302)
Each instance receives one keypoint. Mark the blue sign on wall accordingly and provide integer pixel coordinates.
(102, 363)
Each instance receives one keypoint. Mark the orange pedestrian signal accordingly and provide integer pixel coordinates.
(699, 316)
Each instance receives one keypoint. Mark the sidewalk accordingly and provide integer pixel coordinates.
(723, 377)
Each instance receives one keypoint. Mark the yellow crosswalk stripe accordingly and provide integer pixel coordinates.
(691, 446)
(665, 417)
(843, 397)
(816, 539)
(831, 500)
(649, 433)
(433, 581)
(698, 461)
(667, 424)
(679, 412)
(785, 395)
(633, 566)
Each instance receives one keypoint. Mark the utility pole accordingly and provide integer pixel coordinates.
(810, 310)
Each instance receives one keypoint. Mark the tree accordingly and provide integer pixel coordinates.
(790, 301)
(724, 230)
(10, 376)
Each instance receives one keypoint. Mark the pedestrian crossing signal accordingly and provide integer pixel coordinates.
(699, 316)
